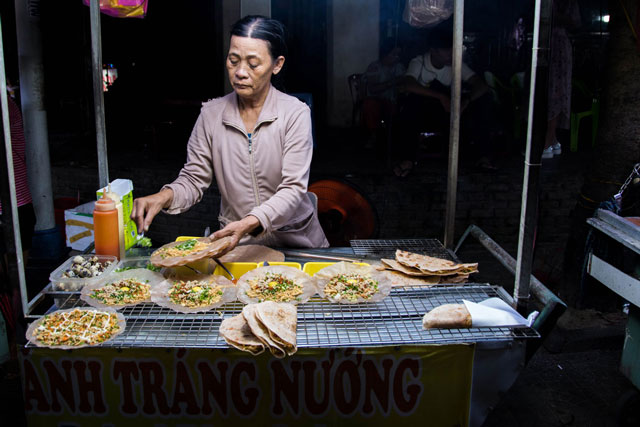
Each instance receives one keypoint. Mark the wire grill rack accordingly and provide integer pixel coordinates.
(387, 248)
(396, 320)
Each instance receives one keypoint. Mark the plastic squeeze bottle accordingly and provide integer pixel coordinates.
(114, 196)
(105, 227)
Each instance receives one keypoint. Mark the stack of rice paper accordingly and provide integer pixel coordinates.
(267, 325)
(409, 269)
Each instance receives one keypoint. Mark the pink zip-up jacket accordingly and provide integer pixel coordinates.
(264, 174)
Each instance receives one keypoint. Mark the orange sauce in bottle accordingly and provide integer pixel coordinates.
(105, 227)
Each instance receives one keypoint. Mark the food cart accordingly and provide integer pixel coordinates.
(355, 362)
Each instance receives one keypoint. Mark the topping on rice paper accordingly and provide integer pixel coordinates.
(349, 283)
(126, 291)
(75, 328)
(119, 290)
(194, 293)
(180, 253)
(276, 283)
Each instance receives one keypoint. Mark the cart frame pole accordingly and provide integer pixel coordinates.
(98, 95)
(536, 133)
(454, 124)
(10, 209)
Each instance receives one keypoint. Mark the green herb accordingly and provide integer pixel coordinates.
(186, 245)
(152, 267)
(144, 242)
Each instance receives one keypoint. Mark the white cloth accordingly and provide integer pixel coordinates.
(421, 69)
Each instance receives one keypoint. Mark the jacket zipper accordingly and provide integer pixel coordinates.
(254, 181)
(256, 195)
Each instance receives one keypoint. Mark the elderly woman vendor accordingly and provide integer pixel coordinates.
(257, 142)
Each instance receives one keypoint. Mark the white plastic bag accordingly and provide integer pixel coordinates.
(427, 13)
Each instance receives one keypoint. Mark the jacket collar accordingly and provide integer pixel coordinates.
(231, 112)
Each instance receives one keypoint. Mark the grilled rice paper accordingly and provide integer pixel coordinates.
(277, 283)
(447, 316)
(401, 279)
(180, 253)
(261, 332)
(76, 328)
(395, 265)
(433, 266)
(280, 319)
(252, 253)
(349, 283)
(123, 289)
(194, 293)
(237, 333)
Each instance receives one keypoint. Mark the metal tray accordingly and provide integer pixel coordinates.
(396, 320)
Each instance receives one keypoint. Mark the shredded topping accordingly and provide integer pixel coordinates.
(77, 327)
(351, 287)
(274, 287)
(183, 249)
(126, 291)
(194, 293)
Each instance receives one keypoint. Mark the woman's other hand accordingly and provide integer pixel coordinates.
(146, 208)
(237, 230)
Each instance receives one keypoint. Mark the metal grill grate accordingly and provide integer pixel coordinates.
(387, 248)
(396, 320)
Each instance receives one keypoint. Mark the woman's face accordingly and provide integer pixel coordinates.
(250, 66)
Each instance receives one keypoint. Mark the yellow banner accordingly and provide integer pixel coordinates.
(105, 386)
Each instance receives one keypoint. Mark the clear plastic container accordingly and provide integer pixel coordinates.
(75, 284)
(136, 262)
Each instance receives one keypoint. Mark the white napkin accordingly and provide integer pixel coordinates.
(496, 312)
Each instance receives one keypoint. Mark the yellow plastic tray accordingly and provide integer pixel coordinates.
(236, 268)
(285, 263)
(312, 268)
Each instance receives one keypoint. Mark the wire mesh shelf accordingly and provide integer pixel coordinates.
(387, 248)
(396, 320)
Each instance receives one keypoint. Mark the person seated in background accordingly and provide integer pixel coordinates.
(380, 83)
(427, 84)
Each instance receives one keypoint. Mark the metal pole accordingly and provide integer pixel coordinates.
(34, 115)
(98, 95)
(10, 209)
(536, 132)
(454, 124)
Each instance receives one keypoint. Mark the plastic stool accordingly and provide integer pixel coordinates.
(594, 113)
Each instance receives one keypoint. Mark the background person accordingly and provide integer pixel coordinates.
(565, 18)
(428, 103)
(380, 82)
(26, 213)
(257, 142)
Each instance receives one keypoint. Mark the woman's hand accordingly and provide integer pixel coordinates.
(146, 208)
(237, 230)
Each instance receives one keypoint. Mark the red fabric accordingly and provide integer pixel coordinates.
(374, 111)
(18, 146)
